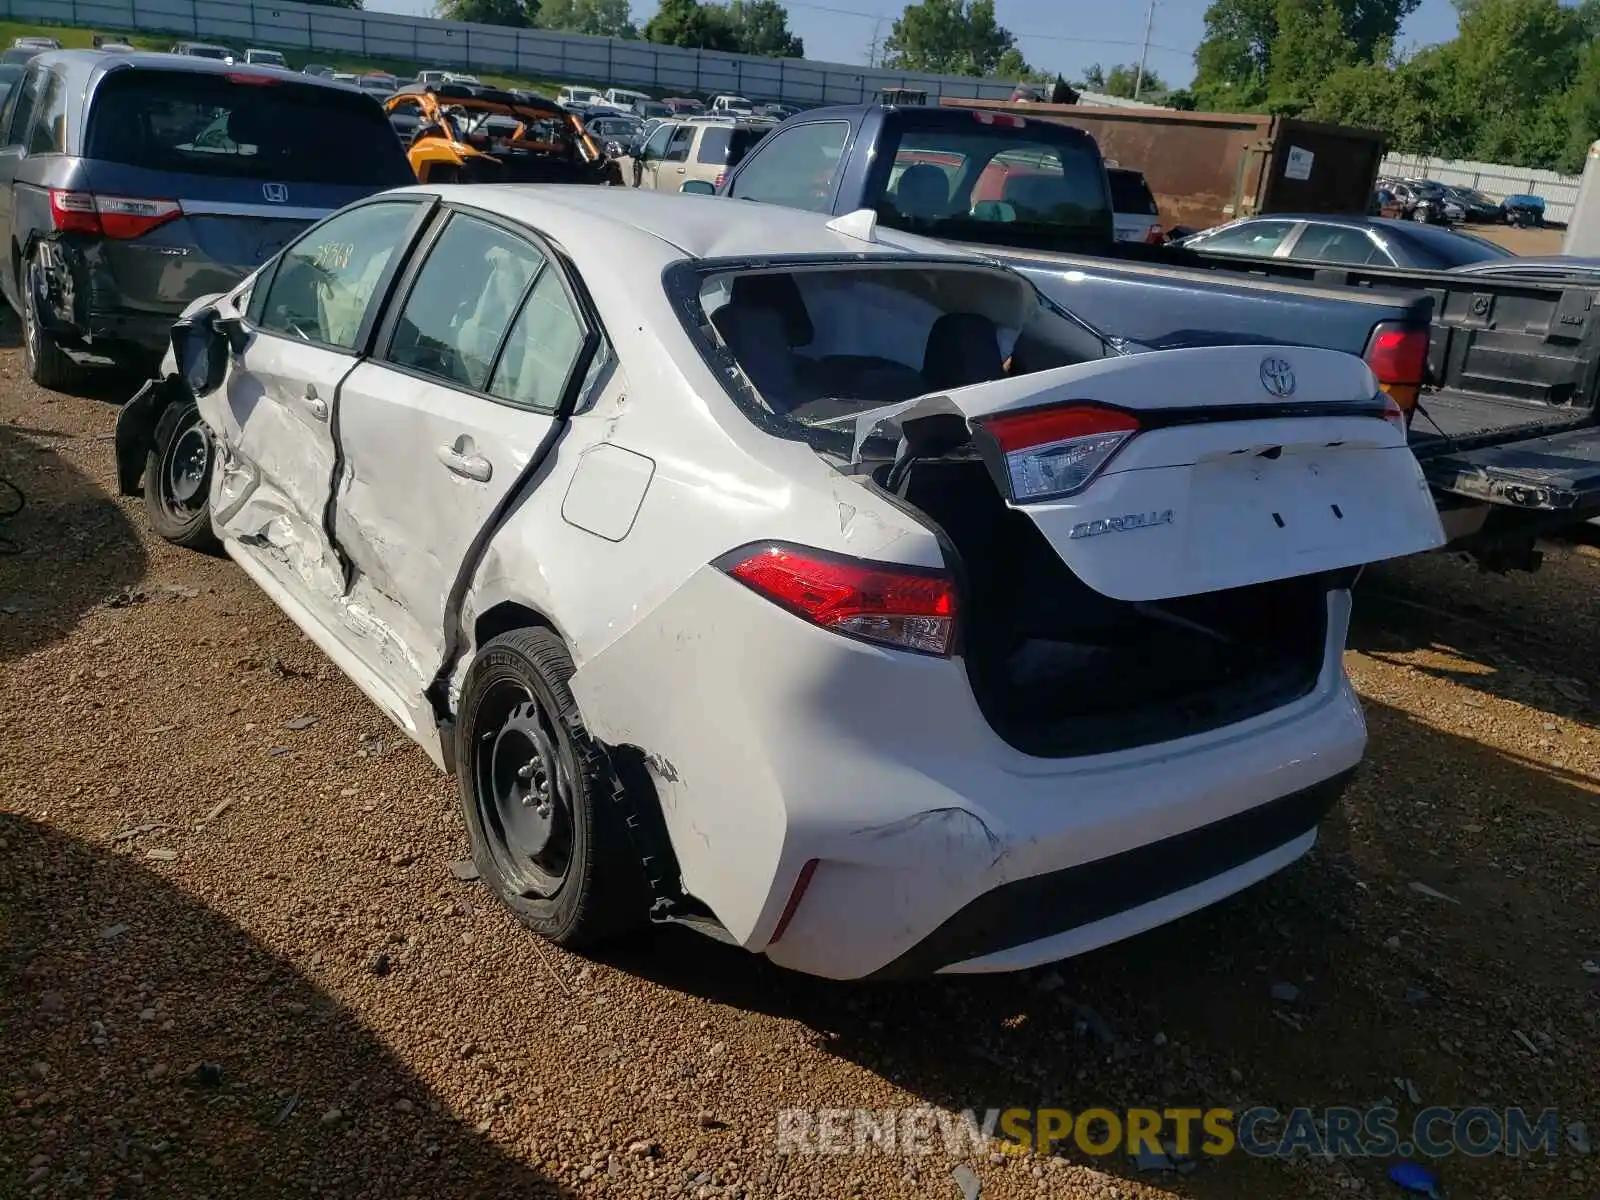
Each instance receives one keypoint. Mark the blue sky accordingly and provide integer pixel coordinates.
(1053, 35)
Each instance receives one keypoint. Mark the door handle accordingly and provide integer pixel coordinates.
(469, 466)
(317, 406)
(683, 170)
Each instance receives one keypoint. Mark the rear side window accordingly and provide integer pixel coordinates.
(678, 147)
(1037, 184)
(25, 95)
(714, 146)
(216, 125)
(797, 168)
(1130, 194)
(49, 127)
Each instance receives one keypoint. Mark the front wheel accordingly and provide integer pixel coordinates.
(540, 798)
(177, 478)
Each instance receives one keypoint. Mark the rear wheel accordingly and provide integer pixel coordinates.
(48, 366)
(177, 479)
(540, 798)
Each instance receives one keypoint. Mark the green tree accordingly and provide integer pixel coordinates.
(1310, 46)
(948, 37)
(1121, 80)
(762, 27)
(520, 14)
(1012, 65)
(693, 25)
(597, 18)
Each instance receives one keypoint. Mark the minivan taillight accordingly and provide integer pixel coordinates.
(1399, 358)
(1043, 453)
(118, 217)
(1154, 236)
(908, 608)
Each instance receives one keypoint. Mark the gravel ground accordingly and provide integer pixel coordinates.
(236, 963)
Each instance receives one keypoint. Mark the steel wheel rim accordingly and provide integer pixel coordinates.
(524, 790)
(186, 471)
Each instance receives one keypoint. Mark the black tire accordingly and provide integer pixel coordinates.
(550, 839)
(177, 479)
(48, 366)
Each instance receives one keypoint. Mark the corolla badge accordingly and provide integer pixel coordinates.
(276, 193)
(1123, 524)
(1277, 376)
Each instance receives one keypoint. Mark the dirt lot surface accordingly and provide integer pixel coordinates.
(1521, 241)
(236, 963)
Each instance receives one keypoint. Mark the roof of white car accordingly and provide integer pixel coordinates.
(694, 226)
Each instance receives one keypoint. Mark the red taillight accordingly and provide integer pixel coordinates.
(252, 80)
(119, 217)
(1153, 236)
(801, 883)
(721, 175)
(1399, 358)
(1004, 120)
(903, 607)
(1044, 453)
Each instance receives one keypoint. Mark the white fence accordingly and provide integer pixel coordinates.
(1493, 179)
(534, 53)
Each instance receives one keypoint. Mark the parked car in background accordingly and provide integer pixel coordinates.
(1135, 214)
(256, 57)
(203, 50)
(1524, 210)
(683, 106)
(430, 77)
(622, 131)
(349, 77)
(577, 95)
(1478, 208)
(321, 70)
(136, 182)
(115, 48)
(19, 55)
(625, 99)
(35, 42)
(649, 110)
(1428, 203)
(463, 79)
(694, 151)
(728, 105)
(486, 135)
(1347, 241)
(1056, 719)
(379, 83)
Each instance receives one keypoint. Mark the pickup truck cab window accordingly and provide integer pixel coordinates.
(1045, 185)
(797, 167)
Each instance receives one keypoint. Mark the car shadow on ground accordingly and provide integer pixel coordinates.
(45, 591)
(1533, 639)
(151, 1047)
(1326, 985)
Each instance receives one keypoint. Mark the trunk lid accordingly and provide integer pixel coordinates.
(1179, 472)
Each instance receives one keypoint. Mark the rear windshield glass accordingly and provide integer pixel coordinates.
(1038, 186)
(821, 344)
(1130, 194)
(724, 146)
(1448, 248)
(210, 125)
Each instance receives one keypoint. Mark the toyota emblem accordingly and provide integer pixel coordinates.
(1277, 376)
(277, 193)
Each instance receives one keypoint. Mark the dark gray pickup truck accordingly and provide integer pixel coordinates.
(1499, 378)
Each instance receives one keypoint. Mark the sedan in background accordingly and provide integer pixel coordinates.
(1479, 209)
(1018, 645)
(1347, 242)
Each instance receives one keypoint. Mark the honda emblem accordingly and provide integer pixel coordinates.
(276, 193)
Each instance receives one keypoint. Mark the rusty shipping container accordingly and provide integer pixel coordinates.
(1206, 168)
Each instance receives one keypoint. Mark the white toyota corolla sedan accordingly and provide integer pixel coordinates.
(820, 587)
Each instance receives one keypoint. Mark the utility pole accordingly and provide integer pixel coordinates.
(1144, 51)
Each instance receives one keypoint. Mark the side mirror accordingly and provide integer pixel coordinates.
(698, 187)
(233, 331)
(614, 149)
(199, 343)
